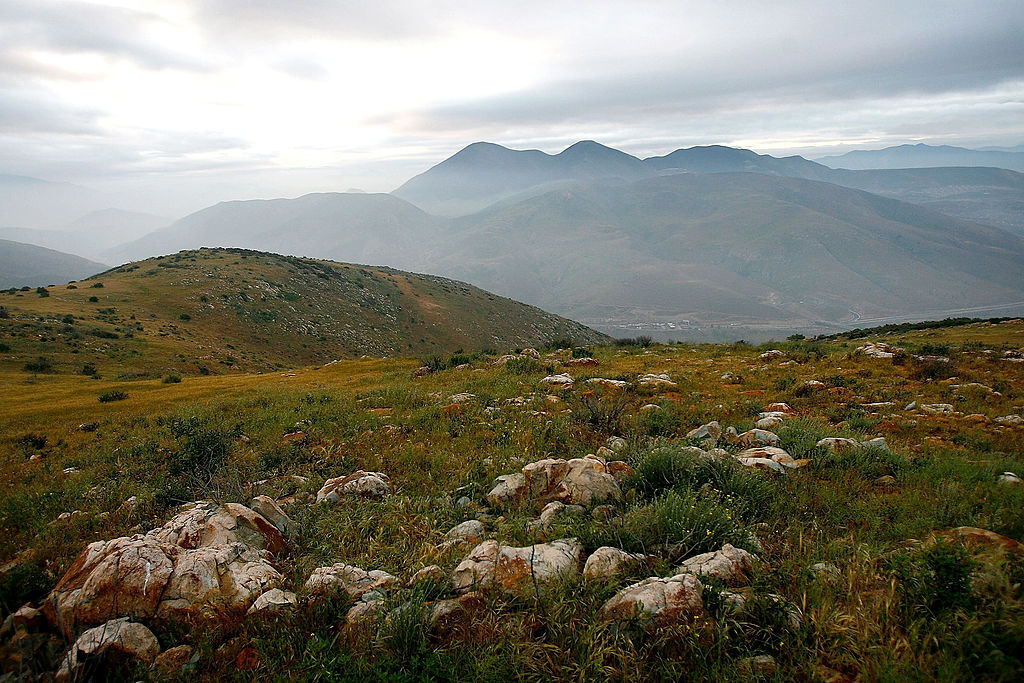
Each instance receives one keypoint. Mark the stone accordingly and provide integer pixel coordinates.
(758, 437)
(173, 661)
(825, 570)
(762, 463)
(938, 408)
(771, 354)
(470, 531)
(710, 433)
(616, 443)
(619, 470)
(516, 569)
(730, 565)
(422, 371)
(463, 397)
(779, 407)
(1010, 420)
(834, 444)
(446, 615)
(878, 442)
(663, 601)
(813, 385)
(586, 361)
(367, 605)
(272, 512)
(115, 641)
(430, 574)
(886, 481)
(655, 381)
(733, 603)
(1008, 478)
(355, 581)
(982, 538)
(274, 600)
(879, 350)
(580, 481)
(608, 383)
(607, 562)
(532, 353)
(561, 380)
(508, 489)
(360, 483)
(759, 665)
(293, 438)
(774, 454)
(206, 524)
(768, 422)
(650, 408)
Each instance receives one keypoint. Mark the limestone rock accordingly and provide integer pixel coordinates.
(476, 571)
(838, 444)
(1009, 478)
(369, 484)
(515, 569)
(729, 565)
(274, 600)
(432, 574)
(771, 354)
(670, 600)
(657, 381)
(173, 660)
(118, 639)
(508, 489)
(608, 383)
(607, 562)
(1010, 420)
(470, 531)
(272, 512)
(355, 581)
(206, 524)
(709, 433)
(758, 437)
(561, 380)
(616, 443)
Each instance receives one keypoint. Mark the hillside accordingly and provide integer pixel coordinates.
(924, 156)
(27, 265)
(484, 173)
(503, 528)
(42, 204)
(367, 228)
(225, 310)
(731, 247)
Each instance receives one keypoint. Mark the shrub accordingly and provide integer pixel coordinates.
(3, 313)
(93, 299)
(172, 379)
(581, 352)
(41, 291)
(523, 365)
(4, 348)
(32, 442)
(40, 364)
(184, 317)
(936, 579)
(113, 395)
(89, 370)
(203, 447)
(642, 341)
(601, 410)
(23, 583)
(98, 285)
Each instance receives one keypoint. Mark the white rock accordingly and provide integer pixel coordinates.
(670, 600)
(607, 562)
(562, 380)
(470, 531)
(730, 565)
(118, 638)
(359, 483)
(274, 600)
(355, 581)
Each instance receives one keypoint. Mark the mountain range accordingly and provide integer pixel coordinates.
(28, 265)
(923, 156)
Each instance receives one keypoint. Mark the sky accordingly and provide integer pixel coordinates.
(177, 104)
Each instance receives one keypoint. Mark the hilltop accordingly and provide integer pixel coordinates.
(229, 310)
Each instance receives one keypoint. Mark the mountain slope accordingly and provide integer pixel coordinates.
(28, 265)
(374, 228)
(36, 203)
(484, 173)
(222, 309)
(91, 235)
(924, 156)
(731, 247)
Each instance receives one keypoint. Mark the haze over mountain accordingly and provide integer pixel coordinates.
(40, 204)
(27, 265)
(90, 235)
(924, 156)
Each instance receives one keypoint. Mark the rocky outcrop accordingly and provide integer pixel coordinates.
(517, 569)
(664, 601)
(274, 600)
(359, 483)
(116, 641)
(729, 565)
(580, 481)
(208, 561)
(355, 581)
(607, 562)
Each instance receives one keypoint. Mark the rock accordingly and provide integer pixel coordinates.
(514, 569)
(774, 454)
(360, 483)
(562, 380)
(824, 570)
(771, 354)
(762, 463)
(293, 438)
(710, 433)
(729, 565)
(430, 574)
(982, 538)
(554, 511)
(353, 580)
(664, 601)
(619, 470)
(272, 512)
(759, 665)
(532, 353)
(207, 562)
(274, 600)
(813, 385)
(367, 605)
(877, 442)
(879, 350)
(838, 444)
(582, 362)
(29, 618)
(422, 371)
(758, 437)
(446, 615)
(886, 481)
(793, 615)
(114, 642)
(616, 443)
(173, 661)
(508, 489)
(911, 406)
(734, 604)
(650, 408)
(655, 381)
(607, 562)
(779, 407)
(938, 408)
(463, 502)
(1008, 478)
(461, 398)
(608, 383)
(470, 531)
(768, 422)
(1010, 420)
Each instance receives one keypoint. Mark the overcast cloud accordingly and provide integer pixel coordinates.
(266, 97)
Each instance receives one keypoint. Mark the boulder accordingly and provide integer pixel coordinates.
(431, 574)
(608, 383)
(779, 407)
(272, 512)
(825, 571)
(835, 444)
(561, 380)
(114, 642)
(771, 354)
(1008, 478)
(763, 464)
(507, 490)
(877, 442)
(655, 381)
(580, 481)
(532, 353)
(173, 661)
(470, 531)
(774, 454)
(982, 538)
(515, 569)
(709, 433)
(729, 565)
(368, 604)
(607, 562)
(758, 665)
(1010, 420)
(274, 600)
(616, 443)
(353, 580)
(938, 408)
(758, 437)
(360, 483)
(586, 361)
(664, 601)
(768, 422)
(206, 524)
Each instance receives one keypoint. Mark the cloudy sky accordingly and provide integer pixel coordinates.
(185, 102)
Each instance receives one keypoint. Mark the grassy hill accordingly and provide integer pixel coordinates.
(731, 247)
(857, 576)
(27, 265)
(226, 310)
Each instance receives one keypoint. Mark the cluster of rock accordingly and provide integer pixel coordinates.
(579, 481)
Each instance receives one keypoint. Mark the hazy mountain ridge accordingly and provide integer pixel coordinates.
(923, 156)
(28, 265)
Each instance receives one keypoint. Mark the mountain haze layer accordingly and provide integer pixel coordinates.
(28, 265)
(922, 156)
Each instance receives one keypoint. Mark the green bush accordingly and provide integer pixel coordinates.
(203, 446)
(40, 364)
(172, 379)
(936, 579)
(523, 365)
(113, 395)
(24, 583)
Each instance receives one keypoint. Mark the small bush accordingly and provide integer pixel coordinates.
(602, 411)
(24, 583)
(936, 579)
(41, 291)
(4, 348)
(111, 396)
(40, 364)
(4, 314)
(98, 285)
(184, 317)
(172, 379)
(642, 341)
(32, 442)
(93, 299)
(523, 365)
(89, 370)
(203, 447)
